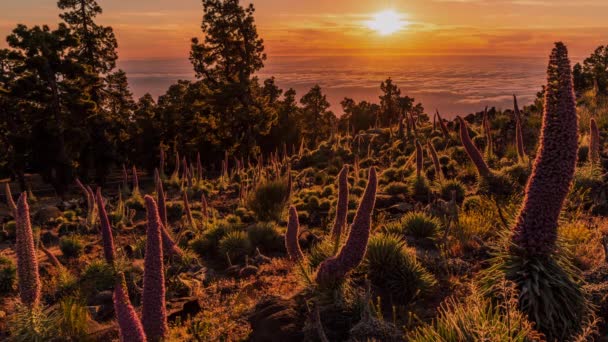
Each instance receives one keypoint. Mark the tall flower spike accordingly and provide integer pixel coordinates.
(435, 159)
(199, 166)
(9, 199)
(419, 159)
(535, 229)
(135, 179)
(162, 160)
(188, 211)
(488, 131)
(342, 206)
(472, 150)
(334, 269)
(292, 244)
(204, 206)
(154, 313)
(594, 142)
(129, 325)
(176, 169)
(162, 207)
(444, 128)
(521, 152)
(27, 262)
(125, 178)
(106, 230)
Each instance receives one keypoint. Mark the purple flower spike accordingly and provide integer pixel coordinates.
(106, 230)
(594, 142)
(9, 199)
(135, 179)
(27, 262)
(419, 159)
(444, 128)
(521, 153)
(342, 207)
(154, 313)
(292, 243)
(535, 230)
(350, 256)
(435, 159)
(129, 325)
(472, 151)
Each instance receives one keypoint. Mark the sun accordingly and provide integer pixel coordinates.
(387, 22)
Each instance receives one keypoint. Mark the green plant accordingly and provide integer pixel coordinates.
(269, 199)
(420, 225)
(396, 188)
(8, 276)
(97, 276)
(71, 246)
(447, 187)
(547, 284)
(33, 324)
(236, 244)
(419, 188)
(73, 319)
(264, 235)
(478, 319)
(390, 265)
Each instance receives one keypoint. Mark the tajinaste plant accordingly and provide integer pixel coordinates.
(444, 128)
(472, 151)
(334, 269)
(341, 208)
(188, 211)
(27, 261)
(160, 193)
(435, 159)
(594, 142)
(162, 160)
(535, 230)
(204, 207)
(125, 179)
(135, 180)
(154, 313)
(488, 132)
(419, 159)
(521, 153)
(106, 230)
(292, 235)
(9, 199)
(129, 325)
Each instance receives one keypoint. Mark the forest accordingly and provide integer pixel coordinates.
(229, 209)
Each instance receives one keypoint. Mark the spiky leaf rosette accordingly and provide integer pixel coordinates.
(106, 230)
(292, 243)
(535, 229)
(342, 206)
(154, 313)
(335, 269)
(594, 142)
(521, 153)
(549, 286)
(129, 325)
(27, 262)
(472, 151)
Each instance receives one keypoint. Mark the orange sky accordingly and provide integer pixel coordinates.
(161, 29)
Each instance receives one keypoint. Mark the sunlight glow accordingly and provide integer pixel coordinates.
(387, 22)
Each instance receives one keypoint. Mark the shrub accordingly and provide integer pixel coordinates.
(391, 266)
(98, 276)
(236, 244)
(266, 237)
(175, 211)
(71, 246)
(420, 225)
(73, 319)
(472, 203)
(546, 285)
(477, 319)
(447, 187)
(8, 275)
(419, 188)
(269, 199)
(396, 188)
(320, 252)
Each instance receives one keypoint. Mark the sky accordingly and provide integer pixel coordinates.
(162, 29)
